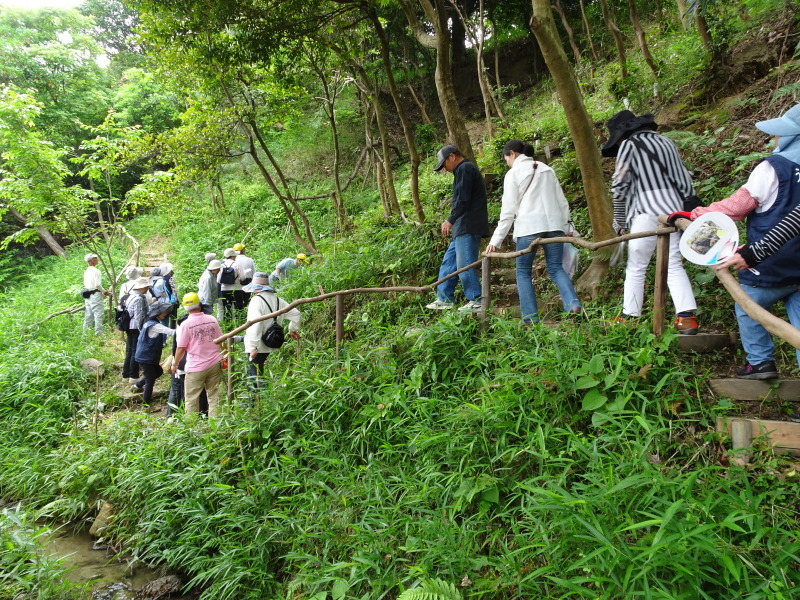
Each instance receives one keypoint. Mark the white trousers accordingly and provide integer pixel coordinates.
(639, 253)
(93, 315)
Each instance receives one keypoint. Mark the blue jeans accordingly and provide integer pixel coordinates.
(757, 342)
(463, 250)
(553, 254)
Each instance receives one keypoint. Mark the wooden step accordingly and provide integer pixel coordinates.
(783, 436)
(706, 342)
(748, 390)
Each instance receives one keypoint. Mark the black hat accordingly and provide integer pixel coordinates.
(625, 122)
(443, 154)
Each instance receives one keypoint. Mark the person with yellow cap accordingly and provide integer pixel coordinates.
(203, 363)
(283, 268)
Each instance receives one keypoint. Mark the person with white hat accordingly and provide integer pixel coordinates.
(771, 194)
(208, 288)
(137, 306)
(132, 273)
(230, 280)
(93, 293)
(263, 302)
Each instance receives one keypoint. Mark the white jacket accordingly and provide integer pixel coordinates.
(260, 304)
(543, 207)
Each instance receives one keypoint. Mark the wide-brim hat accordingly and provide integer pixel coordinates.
(625, 122)
(214, 264)
(166, 268)
(210, 256)
(442, 155)
(133, 273)
(260, 283)
(158, 308)
(230, 252)
(89, 257)
(787, 125)
(141, 283)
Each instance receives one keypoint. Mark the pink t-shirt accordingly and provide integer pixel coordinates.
(197, 335)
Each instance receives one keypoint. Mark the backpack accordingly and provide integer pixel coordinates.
(273, 336)
(171, 297)
(227, 275)
(121, 315)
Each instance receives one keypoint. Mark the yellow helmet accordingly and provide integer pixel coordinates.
(191, 301)
(238, 246)
(302, 258)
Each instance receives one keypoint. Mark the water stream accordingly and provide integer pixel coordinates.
(108, 578)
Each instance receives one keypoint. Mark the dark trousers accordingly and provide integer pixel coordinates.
(150, 373)
(130, 368)
(240, 299)
(255, 369)
(228, 303)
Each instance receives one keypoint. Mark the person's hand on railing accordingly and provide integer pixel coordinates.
(682, 214)
(489, 250)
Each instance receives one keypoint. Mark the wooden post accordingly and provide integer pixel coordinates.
(660, 295)
(339, 322)
(742, 434)
(485, 286)
(229, 349)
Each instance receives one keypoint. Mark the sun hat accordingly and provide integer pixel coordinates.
(787, 125)
(625, 122)
(89, 257)
(133, 273)
(166, 268)
(260, 283)
(214, 264)
(155, 272)
(229, 252)
(442, 155)
(158, 308)
(210, 256)
(141, 283)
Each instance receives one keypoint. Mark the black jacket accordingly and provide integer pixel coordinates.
(468, 212)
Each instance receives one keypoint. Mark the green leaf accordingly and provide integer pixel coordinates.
(585, 382)
(593, 400)
(340, 588)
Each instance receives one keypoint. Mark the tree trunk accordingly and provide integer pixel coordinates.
(702, 29)
(620, 43)
(582, 133)
(588, 32)
(401, 112)
(682, 14)
(44, 232)
(445, 88)
(640, 36)
(570, 35)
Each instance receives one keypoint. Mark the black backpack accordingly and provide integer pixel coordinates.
(273, 336)
(121, 315)
(227, 275)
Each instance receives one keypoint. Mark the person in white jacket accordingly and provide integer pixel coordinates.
(535, 204)
(264, 301)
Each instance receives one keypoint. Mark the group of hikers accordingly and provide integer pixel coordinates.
(650, 179)
(147, 316)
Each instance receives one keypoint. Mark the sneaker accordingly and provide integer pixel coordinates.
(796, 416)
(764, 370)
(470, 306)
(136, 389)
(439, 305)
(133, 379)
(687, 325)
(621, 320)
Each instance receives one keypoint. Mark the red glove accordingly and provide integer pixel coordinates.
(678, 215)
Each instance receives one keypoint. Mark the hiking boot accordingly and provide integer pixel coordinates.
(439, 305)
(687, 325)
(471, 306)
(764, 370)
(621, 320)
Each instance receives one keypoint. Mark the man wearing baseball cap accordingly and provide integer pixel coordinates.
(771, 194)
(467, 223)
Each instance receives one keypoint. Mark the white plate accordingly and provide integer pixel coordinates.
(710, 239)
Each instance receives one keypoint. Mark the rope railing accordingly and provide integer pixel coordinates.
(771, 323)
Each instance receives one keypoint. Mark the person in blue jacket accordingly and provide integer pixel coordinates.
(149, 347)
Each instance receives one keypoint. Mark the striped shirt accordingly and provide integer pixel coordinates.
(649, 178)
(785, 230)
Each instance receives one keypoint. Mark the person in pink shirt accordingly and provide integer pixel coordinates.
(203, 369)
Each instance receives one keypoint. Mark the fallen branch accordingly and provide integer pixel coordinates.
(67, 311)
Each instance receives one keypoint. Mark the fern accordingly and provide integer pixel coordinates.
(432, 589)
(787, 90)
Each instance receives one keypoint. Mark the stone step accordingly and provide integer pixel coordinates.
(706, 342)
(784, 436)
(748, 390)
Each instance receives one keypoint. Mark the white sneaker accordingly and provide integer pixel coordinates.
(132, 379)
(439, 305)
(470, 306)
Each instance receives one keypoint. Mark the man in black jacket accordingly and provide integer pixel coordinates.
(467, 223)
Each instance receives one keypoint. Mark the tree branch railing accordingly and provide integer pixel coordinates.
(770, 322)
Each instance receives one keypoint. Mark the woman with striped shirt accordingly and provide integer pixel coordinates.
(650, 179)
